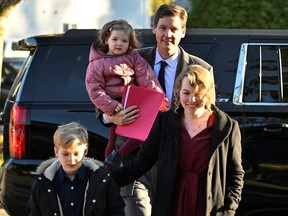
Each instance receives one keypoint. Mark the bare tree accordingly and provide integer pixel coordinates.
(6, 6)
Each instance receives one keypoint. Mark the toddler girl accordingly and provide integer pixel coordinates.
(113, 65)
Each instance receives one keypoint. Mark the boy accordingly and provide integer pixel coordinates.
(71, 184)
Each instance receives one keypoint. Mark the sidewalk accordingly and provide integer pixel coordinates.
(2, 211)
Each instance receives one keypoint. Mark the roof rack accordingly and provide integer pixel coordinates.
(80, 32)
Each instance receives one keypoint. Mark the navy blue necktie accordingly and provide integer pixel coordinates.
(161, 76)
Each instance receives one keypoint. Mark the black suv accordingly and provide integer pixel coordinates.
(251, 73)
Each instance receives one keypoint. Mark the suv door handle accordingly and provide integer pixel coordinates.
(274, 127)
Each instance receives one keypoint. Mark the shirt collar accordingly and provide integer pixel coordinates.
(81, 174)
(171, 61)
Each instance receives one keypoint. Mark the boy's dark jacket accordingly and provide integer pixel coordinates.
(102, 196)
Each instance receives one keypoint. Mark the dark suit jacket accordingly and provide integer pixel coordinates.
(185, 59)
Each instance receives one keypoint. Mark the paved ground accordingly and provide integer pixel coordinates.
(2, 211)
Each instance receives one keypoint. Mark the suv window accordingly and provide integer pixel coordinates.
(266, 75)
(68, 73)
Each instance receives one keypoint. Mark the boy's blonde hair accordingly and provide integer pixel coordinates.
(68, 134)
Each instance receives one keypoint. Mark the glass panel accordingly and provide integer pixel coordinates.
(67, 64)
(270, 75)
(262, 78)
(284, 60)
(251, 86)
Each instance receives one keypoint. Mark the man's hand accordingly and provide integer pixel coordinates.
(125, 116)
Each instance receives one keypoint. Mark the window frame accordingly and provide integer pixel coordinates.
(238, 93)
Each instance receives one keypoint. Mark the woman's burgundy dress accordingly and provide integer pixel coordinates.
(190, 193)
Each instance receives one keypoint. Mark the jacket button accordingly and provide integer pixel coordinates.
(104, 180)
(94, 201)
(40, 178)
(49, 190)
(55, 214)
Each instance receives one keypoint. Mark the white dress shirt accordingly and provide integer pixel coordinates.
(170, 72)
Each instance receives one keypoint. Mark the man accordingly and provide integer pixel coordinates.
(169, 27)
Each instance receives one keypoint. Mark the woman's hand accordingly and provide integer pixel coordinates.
(164, 105)
(125, 116)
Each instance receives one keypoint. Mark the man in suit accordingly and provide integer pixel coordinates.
(169, 27)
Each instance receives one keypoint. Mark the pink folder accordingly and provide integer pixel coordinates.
(149, 102)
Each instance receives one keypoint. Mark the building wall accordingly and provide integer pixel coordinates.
(33, 17)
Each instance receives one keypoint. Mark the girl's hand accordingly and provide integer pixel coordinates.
(119, 107)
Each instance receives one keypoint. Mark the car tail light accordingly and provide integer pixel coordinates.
(17, 131)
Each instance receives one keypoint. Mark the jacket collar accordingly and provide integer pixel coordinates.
(221, 128)
(49, 167)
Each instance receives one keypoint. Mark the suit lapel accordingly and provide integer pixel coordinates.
(184, 60)
(148, 54)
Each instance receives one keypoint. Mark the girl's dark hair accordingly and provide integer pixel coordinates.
(120, 25)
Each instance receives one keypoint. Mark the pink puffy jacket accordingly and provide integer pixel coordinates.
(107, 75)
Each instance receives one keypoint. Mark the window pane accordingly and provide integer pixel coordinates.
(68, 65)
(270, 75)
(251, 86)
(284, 59)
(262, 78)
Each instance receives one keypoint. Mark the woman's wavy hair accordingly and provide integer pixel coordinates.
(200, 79)
(120, 25)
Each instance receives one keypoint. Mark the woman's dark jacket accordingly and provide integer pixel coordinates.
(224, 176)
(102, 196)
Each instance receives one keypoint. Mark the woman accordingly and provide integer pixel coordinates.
(198, 149)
